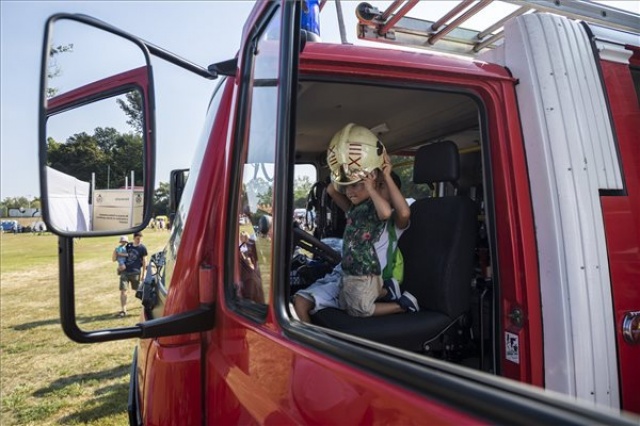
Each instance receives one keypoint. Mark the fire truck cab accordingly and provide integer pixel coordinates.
(518, 147)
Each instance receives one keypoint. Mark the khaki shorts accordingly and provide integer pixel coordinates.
(359, 293)
(129, 277)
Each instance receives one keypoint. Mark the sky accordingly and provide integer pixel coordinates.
(203, 32)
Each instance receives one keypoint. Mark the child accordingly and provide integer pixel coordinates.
(369, 205)
(121, 254)
(325, 293)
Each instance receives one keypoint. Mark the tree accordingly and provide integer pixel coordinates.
(134, 109)
(53, 69)
(403, 166)
(127, 156)
(107, 153)
(10, 203)
(301, 187)
(161, 200)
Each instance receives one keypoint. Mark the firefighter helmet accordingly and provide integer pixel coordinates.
(354, 150)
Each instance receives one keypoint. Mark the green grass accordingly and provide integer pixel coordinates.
(45, 378)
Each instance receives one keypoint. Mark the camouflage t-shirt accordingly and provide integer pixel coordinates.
(362, 230)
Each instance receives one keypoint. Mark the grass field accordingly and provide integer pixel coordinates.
(46, 379)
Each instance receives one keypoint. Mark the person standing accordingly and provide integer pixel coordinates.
(133, 274)
(121, 254)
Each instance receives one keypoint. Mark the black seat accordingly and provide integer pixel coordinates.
(438, 251)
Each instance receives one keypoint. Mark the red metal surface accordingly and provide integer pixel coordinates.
(173, 383)
(622, 223)
(136, 76)
(195, 247)
(256, 377)
(324, 57)
(518, 278)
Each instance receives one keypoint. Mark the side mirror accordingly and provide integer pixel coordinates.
(96, 129)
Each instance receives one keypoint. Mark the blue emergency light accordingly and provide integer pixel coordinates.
(310, 20)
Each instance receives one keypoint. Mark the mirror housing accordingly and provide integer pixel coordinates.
(96, 125)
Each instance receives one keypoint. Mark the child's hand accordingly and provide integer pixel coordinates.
(369, 180)
(386, 164)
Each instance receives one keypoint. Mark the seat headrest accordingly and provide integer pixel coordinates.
(437, 162)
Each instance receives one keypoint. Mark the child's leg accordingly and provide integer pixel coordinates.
(387, 308)
(303, 307)
(359, 293)
(319, 295)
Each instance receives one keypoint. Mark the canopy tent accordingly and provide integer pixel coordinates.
(68, 201)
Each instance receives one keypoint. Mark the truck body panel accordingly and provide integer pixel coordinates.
(545, 126)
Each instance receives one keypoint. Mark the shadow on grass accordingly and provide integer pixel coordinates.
(109, 400)
(80, 319)
(57, 385)
(35, 324)
(84, 319)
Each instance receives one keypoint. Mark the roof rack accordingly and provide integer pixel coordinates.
(446, 33)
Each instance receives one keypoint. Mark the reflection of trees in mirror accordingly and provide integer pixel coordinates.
(54, 70)
(259, 194)
(133, 108)
(161, 200)
(301, 187)
(107, 153)
(9, 203)
(403, 166)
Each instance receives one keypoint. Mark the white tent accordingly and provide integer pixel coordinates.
(68, 201)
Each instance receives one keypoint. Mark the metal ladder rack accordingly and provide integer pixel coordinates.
(447, 35)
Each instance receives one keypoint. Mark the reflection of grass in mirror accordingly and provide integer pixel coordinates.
(46, 378)
(263, 244)
(97, 281)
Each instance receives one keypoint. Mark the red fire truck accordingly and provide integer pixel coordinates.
(519, 145)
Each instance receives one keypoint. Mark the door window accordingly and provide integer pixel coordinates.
(252, 283)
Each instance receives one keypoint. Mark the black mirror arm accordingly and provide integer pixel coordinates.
(68, 307)
(200, 319)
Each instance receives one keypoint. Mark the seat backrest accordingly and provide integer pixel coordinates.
(439, 246)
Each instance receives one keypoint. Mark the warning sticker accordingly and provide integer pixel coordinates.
(512, 345)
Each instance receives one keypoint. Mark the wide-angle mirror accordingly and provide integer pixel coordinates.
(95, 175)
(96, 150)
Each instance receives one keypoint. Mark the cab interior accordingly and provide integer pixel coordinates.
(437, 142)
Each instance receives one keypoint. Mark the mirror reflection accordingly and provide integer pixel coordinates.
(77, 56)
(107, 296)
(95, 160)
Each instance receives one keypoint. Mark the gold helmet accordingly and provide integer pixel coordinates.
(354, 150)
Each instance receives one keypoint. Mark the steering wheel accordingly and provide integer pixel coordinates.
(308, 242)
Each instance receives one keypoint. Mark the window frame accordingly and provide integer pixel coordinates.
(287, 78)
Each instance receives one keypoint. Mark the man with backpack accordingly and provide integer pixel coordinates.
(135, 267)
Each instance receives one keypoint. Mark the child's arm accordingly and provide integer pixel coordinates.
(399, 203)
(383, 208)
(339, 198)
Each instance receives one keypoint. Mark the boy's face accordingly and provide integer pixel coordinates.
(122, 243)
(357, 193)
